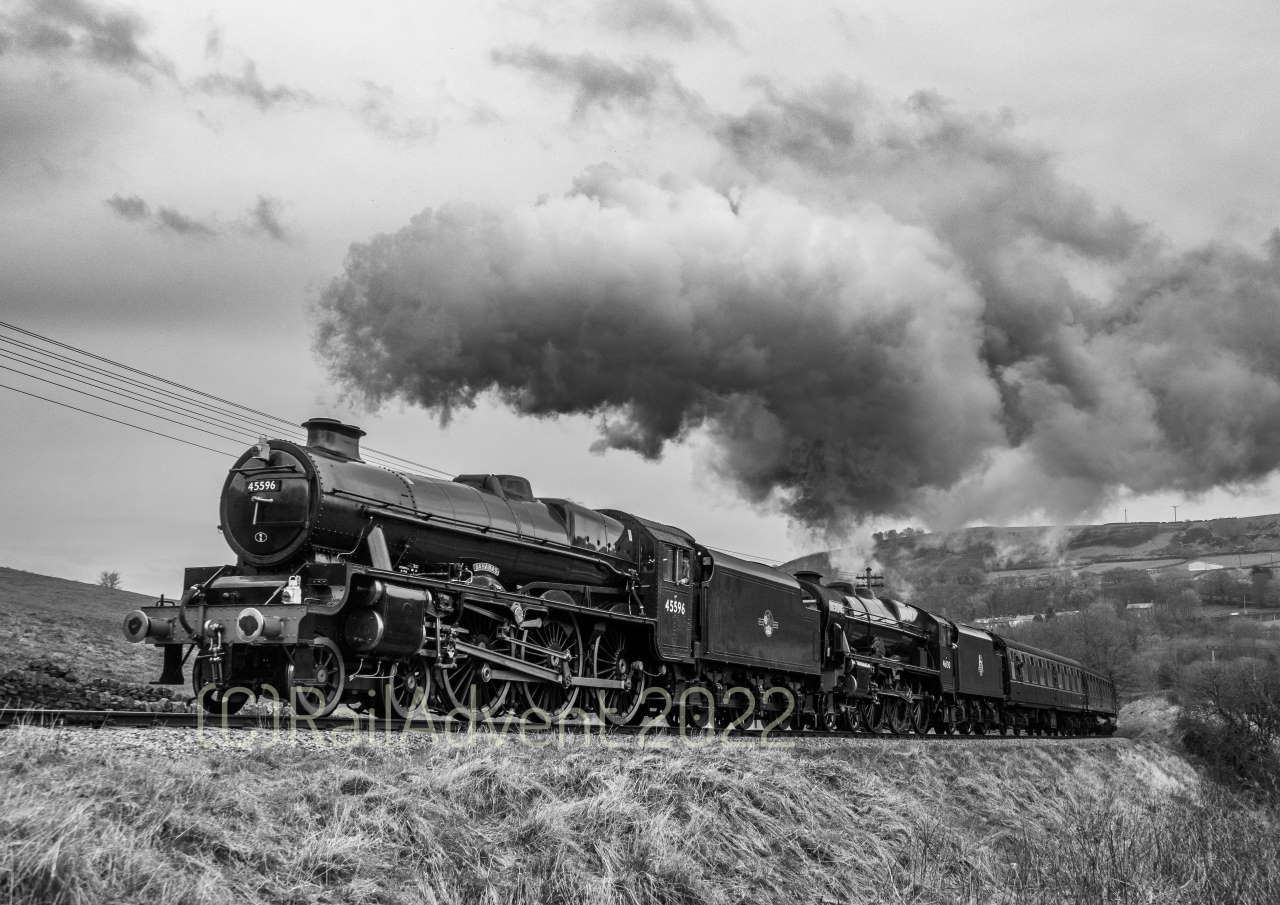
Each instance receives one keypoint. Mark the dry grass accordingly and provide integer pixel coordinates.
(495, 821)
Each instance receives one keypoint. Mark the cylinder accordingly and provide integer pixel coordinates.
(393, 623)
(365, 630)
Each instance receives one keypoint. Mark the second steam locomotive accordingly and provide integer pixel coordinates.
(393, 592)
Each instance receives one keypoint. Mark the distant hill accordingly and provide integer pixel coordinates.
(1026, 552)
(27, 592)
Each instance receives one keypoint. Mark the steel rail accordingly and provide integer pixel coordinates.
(431, 723)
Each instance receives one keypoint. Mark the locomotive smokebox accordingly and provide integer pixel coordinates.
(332, 436)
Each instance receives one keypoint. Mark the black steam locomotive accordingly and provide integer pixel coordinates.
(393, 593)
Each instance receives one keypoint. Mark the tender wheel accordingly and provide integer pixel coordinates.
(406, 692)
(213, 699)
(560, 635)
(616, 706)
(323, 696)
(469, 686)
(695, 712)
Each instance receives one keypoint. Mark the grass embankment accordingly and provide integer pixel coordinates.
(61, 645)
(169, 818)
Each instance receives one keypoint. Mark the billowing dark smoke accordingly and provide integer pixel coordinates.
(868, 309)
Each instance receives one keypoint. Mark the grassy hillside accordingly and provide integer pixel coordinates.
(61, 645)
(492, 820)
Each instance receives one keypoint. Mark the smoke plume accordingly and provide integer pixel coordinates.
(869, 308)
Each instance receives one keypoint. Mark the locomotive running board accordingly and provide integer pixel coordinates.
(516, 670)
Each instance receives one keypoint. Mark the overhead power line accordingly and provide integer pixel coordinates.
(768, 560)
(116, 420)
(133, 370)
(120, 378)
(131, 408)
(167, 397)
(121, 392)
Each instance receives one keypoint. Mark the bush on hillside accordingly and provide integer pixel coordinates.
(1230, 721)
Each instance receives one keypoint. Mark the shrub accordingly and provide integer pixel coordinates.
(1230, 721)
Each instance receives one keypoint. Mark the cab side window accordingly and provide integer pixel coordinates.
(675, 565)
(667, 563)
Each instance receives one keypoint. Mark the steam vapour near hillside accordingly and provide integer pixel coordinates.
(870, 309)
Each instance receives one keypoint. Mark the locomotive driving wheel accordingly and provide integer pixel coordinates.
(897, 715)
(469, 687)
(213, 698)
(919, 709)
(322, 696)
(870, 715)
(616, 706)
(557, 634)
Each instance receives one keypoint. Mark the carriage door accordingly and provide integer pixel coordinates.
(675, 599)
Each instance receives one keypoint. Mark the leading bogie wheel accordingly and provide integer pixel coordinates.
(213, 699)
(405, 693)
(322, 695)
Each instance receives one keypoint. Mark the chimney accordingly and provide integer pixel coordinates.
(335, 438)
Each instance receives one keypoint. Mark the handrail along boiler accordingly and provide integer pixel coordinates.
(390, 592)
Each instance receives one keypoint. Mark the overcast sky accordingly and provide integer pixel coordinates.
(181, 184)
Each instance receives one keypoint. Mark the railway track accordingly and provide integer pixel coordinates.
(286, 722)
